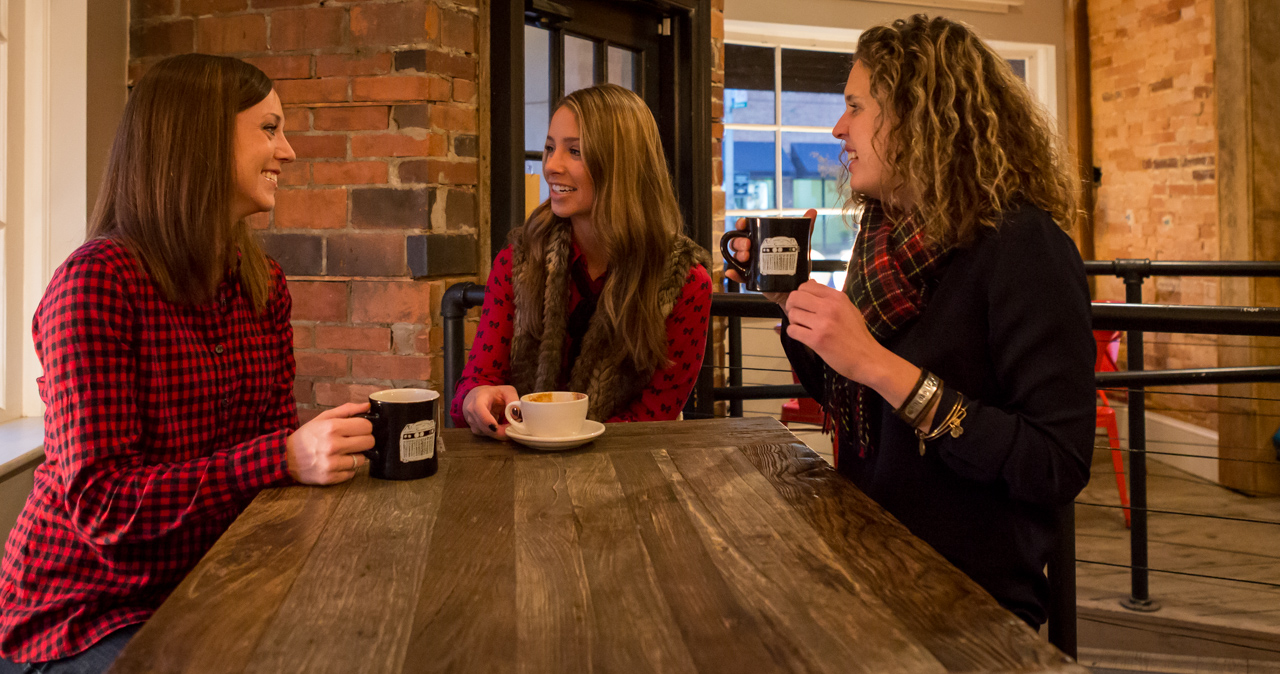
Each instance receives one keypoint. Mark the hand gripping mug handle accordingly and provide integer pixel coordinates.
(377, 421)
(514, 418)
(727, 252)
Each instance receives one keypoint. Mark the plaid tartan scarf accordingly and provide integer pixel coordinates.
(890, 274)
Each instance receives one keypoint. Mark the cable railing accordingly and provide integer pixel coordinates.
(1131, 317)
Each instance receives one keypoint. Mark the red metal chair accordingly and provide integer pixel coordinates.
(1108, 351)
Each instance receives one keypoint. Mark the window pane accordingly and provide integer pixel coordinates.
(537, 87)
(811, 170)
(533, 167)
(813, 86)
(579, 64)
(1019, 68)
(748, 84)
(833, 237)
(622, 67)
(749, 169)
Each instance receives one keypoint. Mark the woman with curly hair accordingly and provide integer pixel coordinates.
(957, 362)
(599, 291)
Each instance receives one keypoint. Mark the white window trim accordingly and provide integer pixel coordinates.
(45, 185)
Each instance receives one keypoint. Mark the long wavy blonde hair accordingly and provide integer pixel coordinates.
(965, 138)
(635, 214)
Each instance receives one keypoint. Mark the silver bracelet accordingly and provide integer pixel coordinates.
(922, 397)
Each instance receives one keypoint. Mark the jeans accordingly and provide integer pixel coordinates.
(95, 660)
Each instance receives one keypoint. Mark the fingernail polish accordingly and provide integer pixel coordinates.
(493, 427)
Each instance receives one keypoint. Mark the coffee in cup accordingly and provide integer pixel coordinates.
(404, 433)
(548, 414)
(779, 253)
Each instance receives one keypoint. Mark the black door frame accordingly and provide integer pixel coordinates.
(684, 114)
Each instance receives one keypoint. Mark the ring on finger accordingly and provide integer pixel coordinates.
(354, 462)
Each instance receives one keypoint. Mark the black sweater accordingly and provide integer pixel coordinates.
(1008, 327)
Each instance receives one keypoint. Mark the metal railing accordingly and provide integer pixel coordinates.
(1132, 317)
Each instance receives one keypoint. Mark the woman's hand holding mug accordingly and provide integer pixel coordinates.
(482, 406)
(327, 449)
(742, 253)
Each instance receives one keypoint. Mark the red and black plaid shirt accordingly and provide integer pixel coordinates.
(162, 423)
(489, 363)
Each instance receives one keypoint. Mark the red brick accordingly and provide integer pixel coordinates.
(283, 67)
(391, 302)
(453, 118)
(275, 4)
(389, 23)
(295, 174)
(323, 90)
(333, 146)
(400, 368)
(306, 413)
(303, 336)
(311, 209)
(366, 254)
(204, 7)
(353, 64)
(297, 119)
(464, 91)
(312, 28)
(141, 10)
(319, 300)
(454, 65)
(458, 30)
(356, 118)
(439, 171)
(400, 88)
(304, 391)
(349, 338)
(397, 145)
(350, 173)
(162, 39)
(332, 394)
(312, 364)
(232, 34)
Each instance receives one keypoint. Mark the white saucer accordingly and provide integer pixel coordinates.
(590, 431)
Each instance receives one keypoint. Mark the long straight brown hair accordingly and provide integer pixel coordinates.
(166, 195)
(635, 214)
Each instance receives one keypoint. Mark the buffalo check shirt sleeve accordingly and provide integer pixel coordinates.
(687, 325)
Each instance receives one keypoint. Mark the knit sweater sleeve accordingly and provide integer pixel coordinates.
(489, 363)
(687, 325)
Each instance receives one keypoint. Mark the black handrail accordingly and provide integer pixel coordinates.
(453, 309)
(1145, 268)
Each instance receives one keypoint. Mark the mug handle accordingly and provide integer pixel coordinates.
(514, 418)
(377, 420)
(728, 252)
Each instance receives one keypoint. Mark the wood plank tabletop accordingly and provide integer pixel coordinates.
(721, 545)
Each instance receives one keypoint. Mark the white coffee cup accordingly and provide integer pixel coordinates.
(549, 414)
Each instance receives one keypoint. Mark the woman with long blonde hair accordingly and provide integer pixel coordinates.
(599, 292)
(957, 362)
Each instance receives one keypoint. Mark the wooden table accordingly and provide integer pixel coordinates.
(692, 546)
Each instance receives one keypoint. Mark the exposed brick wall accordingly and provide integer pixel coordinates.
(719, 326)
(381, 106)
(1155, 141)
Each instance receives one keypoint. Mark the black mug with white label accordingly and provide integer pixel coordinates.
(779, 253)
(405, 433)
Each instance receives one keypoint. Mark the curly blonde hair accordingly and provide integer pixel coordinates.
(965, 139)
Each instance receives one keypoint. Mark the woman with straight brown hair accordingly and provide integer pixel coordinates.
(599, 292)
(957, 363)
(168, 372)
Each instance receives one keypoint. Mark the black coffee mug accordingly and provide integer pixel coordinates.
(404, 433)
(779, 253)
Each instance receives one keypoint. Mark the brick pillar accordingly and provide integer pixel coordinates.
(379, 214)
(1154, 138)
